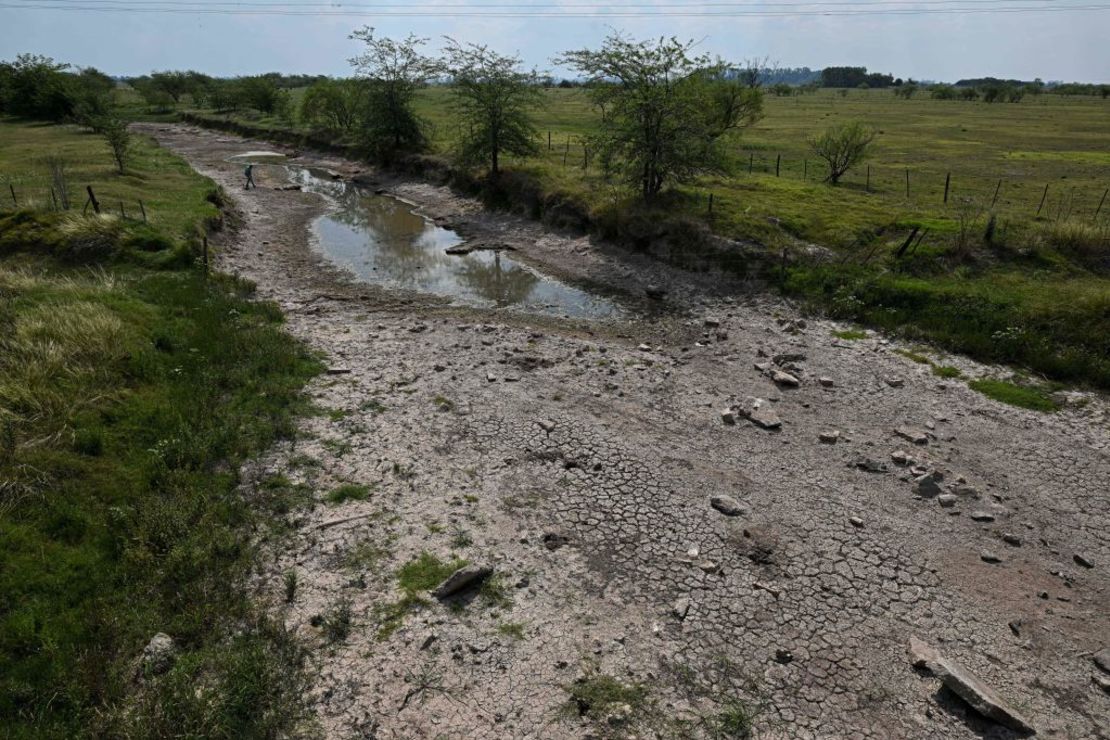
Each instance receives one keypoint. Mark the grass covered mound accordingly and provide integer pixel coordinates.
(130, 390)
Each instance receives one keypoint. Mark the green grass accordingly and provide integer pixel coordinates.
(513, 630)
(130, 391)
(850, 334)
(348, 492)
(415, 578)
(946, 371)
(1024, 396)
(596, 694)
(913, 356)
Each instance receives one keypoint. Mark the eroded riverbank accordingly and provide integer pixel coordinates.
(579, 458)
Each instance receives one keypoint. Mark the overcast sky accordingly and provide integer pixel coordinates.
(1072, 45)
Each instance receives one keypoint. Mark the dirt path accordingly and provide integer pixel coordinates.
(578, 460)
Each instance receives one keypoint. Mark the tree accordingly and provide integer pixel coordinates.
(492, 97)
(842, 147)
(335, 105)
(664, 112)
(34, 86)
(114, 130)
(174, 84)
(393, 71)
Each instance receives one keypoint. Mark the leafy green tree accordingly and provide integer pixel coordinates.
(492, 97)
(843, 147)
(262, 93)
(33, 86)
(114, 130)
(664, 112)
(333, 105)
(174, 84)
(392, 72)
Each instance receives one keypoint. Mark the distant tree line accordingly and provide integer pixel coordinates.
(854, 77)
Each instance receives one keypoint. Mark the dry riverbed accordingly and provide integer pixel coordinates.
(673, 556)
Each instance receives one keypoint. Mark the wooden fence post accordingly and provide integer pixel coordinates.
(14, 201)
(947, 181)
(54, 198)
(711, 204)
(548, 141)
(566, 151)
(143, 211)
(92, 199)
(751, 161)
(1043, 196)
(869, 178)
(996, 189)
(205, 256)
(1097, 210)
(907, 183)
(778, 161)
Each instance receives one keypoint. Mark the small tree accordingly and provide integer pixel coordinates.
(394, 71)
(842, 147)
(333, 104)
(664, 112)
(492, 98)
(114, 130)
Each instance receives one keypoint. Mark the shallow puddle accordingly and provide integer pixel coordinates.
(382, 240)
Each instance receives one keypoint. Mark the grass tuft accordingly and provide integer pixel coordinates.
(348, 492)
(1023, 396)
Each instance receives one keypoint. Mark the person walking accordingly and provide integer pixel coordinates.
(249, 172)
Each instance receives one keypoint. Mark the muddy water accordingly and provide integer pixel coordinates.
(383, 240)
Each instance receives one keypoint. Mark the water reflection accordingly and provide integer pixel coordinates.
(382, 240)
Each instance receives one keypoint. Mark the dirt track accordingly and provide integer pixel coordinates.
(493, 436)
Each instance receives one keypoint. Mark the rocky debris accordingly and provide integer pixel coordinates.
(1011, 539)
(947, 500)
(338, 371)
(829, 438)
(856, 522)
(159, 654)
(825, 382)
(728, 416)
(784, 656)
(655, 292)
(547, 425)
(1102, 659)
(286, 188)
(784, 379)
(900, 457)
(681, 608)
(462, 579)
(785, 358)
(928, 485)
(1103, 682)
(1082, 560)
(711, 323)
(644, 348)
(870, 465)
(982, 516)
(989, 557)
(459, 249)
(727, 505)
(912, 435)
(962, 682)
(554, 540)
(965, 491)
(758, 412)
(894, 382)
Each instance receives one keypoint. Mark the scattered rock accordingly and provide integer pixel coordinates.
(547, 425)
(965, 491)
(989, 557)
(681, 608)
(785, 379)
(967, 686)
(856, 522)
(900, 457)
(783, 358)
(784, 656)
(870, 465)
(727, 505)
(895, 382)
(1083, 560)
(711, 323)
(760, 414)
(644, 348)
(1103, 682)
(918, 438)
(826, 382)
(928, 485)
(338, 370)
(1102, 659)
(982, 516)
(466, 577)
(554, 540)
(655, 292)
(728, 416)
(159, 654)
(1011, 539)
(947, 500)
(829, 438)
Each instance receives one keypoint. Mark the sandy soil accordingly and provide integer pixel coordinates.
(579, 459)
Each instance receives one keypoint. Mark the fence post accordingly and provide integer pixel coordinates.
(585, 157)
(566, 151)
(14, 201)
(947, 180)
(751, 161)
(548, 141)
(778, 161)
(205, 256)
(1104, 192)
(996, 189)
(805, 169)
(711, 204)
(1043, 196)
(907, 183)
(143, 211)
(92, 199)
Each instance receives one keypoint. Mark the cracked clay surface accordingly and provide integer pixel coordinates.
(579, 460)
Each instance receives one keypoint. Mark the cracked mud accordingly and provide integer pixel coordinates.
(642, 522)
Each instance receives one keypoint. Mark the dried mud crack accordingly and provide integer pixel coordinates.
(578, 460)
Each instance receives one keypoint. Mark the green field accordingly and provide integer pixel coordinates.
(131, 386)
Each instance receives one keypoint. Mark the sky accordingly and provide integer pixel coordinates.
(124, 37)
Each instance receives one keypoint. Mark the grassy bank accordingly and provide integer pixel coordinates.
(130, 389)
(1035, 294)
